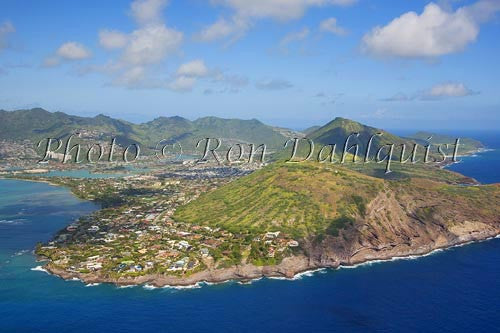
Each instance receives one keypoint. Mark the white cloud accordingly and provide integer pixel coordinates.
(222, 28)
(433, 33)
(245, 12)
(183, 84)
(131, 77)
(69, 51)
(437, 92)
(73, 51)
(151, 44)
(330, 25)
(112, 39)
(483, 10)
(294, 37)
(147, 11)
(6, 28)
(278, 9)
(143, 50)
(446, 90)
(190, 73)
(195, 68)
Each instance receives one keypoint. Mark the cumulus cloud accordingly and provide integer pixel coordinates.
(131, 77)
(483, 10)
(6, 28)
(278, 9)
(73, 51)
(437, 92)
(112, 39)
(273, 84)
(189, 73)
(233, 28)
(433, 33)
(330, 25)
(142, 50)
(447, 90)
(151, 44)
(195, 68)
(147, 12)
(183, 83)
(69, 51)
(245, 12)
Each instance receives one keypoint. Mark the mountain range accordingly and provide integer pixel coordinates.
(36, 124)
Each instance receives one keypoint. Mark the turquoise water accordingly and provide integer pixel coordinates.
(455, 290)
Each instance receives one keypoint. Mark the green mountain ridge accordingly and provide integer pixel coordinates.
(466, 144)
(36, 124)
(337, 132)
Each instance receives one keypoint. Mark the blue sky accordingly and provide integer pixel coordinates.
(293, 63)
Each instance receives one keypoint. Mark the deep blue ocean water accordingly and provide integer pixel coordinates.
(455, 290)
(484, 166)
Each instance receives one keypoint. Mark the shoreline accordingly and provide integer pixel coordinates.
(472, 153)
(247, 274)
(290, 268)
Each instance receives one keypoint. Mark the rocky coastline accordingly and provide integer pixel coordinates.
(287, 269)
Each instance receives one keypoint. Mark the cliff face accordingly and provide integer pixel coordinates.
(412, 219)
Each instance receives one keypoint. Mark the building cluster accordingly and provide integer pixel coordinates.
(136, 232)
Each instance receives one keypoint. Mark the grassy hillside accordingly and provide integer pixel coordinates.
(300, 200)
(311, 199)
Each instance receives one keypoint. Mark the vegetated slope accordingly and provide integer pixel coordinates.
(311, 129)
(409, 170)
(229, 131)
(421, 164)
(337, 131)
(466, 144)
(302, 200)
(36, 124)
(342, 216)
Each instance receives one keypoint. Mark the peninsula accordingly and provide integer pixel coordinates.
(185, 222)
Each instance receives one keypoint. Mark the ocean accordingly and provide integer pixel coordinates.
(453, 290)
